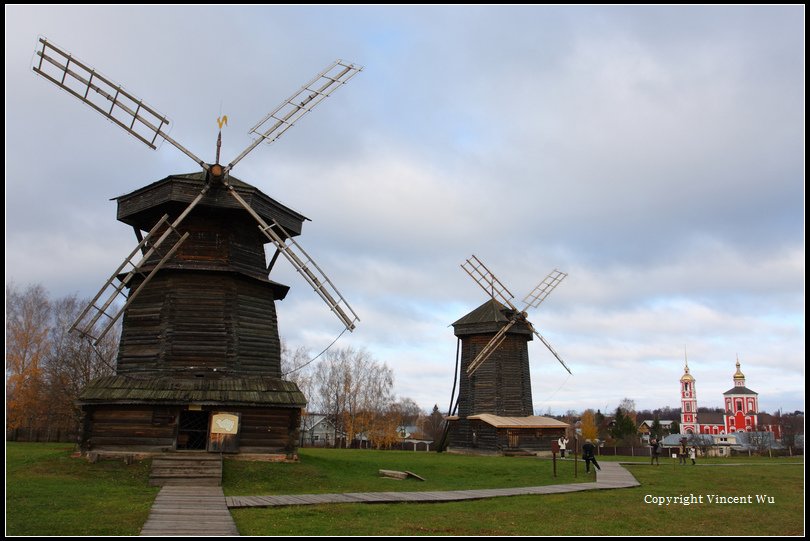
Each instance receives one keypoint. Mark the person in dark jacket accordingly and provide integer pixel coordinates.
(656, 450)
(587, 454)
(683, 452)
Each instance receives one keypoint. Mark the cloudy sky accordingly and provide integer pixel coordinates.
(656, 154)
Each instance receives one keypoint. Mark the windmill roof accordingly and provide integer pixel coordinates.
(256, 390)
(489, 317)
(146, 204)
(489, 312)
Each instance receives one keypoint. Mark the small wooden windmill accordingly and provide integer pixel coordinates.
(494, 383)
(199, 333)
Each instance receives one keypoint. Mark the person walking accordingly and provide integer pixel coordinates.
(693, 454)
(655, 452)
(588, 456)
(683, 451)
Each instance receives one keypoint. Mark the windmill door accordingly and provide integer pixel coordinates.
(514, 438)
(192, 431)
(224, 437)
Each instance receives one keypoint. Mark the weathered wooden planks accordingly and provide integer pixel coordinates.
(263, 429)
(191, 510)
(198, 469)
(204, 321)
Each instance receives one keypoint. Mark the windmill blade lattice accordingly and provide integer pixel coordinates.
(488, 282)
(304, 264)
(290, 111)
(105, 97)
(543, 289)
(551, 349)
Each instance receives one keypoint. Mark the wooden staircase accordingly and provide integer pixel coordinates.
(198, 469)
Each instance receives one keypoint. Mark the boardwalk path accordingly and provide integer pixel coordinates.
(613, 475)
(190, 510)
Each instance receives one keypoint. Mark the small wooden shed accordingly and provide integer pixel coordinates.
(529, 433)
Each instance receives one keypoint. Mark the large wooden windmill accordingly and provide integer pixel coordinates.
(198, 366)
(494, 408)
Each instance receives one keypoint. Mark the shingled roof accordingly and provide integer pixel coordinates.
(487, 318)
(142, 206)
(249, 391)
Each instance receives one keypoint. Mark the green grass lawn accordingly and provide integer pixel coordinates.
(356, 470)
(603, 512)
(50, 493)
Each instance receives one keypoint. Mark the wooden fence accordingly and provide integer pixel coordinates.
(50, 435)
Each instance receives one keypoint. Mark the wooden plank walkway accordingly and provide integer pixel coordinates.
(204, 510)
(612, 475)
(190, 510)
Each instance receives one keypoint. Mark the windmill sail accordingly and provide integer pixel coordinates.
(290, 111)
(495, 289)
(147, 125)
(543, 289)
(304, 264)
(106, 97)
(488, 282)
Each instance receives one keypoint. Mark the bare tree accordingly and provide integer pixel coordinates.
(410, 410)
(760, 440)
(435, 424)
(702, 442)
(297, 367)
(351, 388)
(73, 362)
(790, 426)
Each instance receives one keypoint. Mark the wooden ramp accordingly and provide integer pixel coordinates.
(192, 469)
(612, 475)
(190, 510)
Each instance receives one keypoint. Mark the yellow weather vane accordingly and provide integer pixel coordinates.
(221, 121)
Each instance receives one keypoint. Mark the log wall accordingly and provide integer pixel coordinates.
(187, 321)
(502, 384)
(154, 429)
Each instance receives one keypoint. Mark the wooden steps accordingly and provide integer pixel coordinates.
(190, 469)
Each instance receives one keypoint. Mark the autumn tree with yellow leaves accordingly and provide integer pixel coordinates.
(46, 366)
